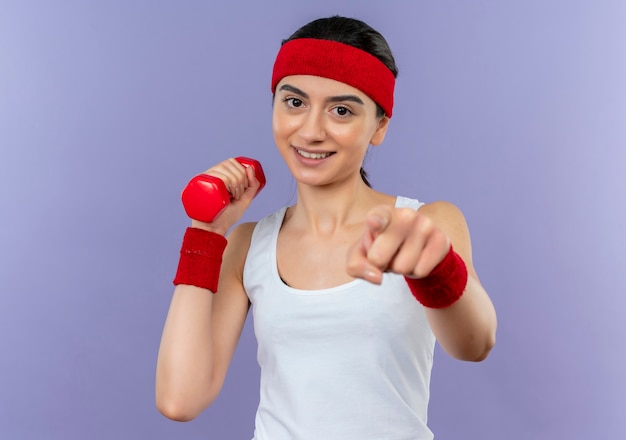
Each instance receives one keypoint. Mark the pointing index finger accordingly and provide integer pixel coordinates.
(377, 220)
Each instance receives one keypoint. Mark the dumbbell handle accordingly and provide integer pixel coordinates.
(205, 197)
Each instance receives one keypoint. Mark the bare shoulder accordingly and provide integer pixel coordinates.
(449, 218)
(442, 213)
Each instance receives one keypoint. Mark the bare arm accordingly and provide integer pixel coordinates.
(202, 329)
(467, 329)
(200, 335)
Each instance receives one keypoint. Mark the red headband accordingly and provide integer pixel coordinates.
(338, 61)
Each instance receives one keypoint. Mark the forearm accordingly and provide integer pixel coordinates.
(466, 330)
(185, 362)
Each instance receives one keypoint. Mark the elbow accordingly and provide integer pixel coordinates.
(481, 351)
(180, 399)
(176, 414)
(480, 356)
(479, 344)
(180, 408)
(176, 410)
(474, 350)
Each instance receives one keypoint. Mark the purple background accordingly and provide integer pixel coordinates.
(515, 111)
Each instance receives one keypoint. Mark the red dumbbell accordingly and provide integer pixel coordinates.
(205, 197)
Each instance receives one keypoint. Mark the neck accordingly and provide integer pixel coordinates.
(331, 209)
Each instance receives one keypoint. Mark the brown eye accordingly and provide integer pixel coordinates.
(294, 102)
(342, 111)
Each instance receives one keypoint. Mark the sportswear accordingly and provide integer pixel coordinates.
(344, 363)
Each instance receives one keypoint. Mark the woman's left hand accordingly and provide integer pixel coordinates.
(406, 242)
(398, 240)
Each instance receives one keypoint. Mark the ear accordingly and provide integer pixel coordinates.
(381, 130)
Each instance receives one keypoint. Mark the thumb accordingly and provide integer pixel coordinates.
(253, 183)
(358, 266)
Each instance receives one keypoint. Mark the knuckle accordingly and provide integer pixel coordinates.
(351, 269)
(354, 266)
(377, 256)
(403, 266)
(405, 216)
(420, 272)
(440, 238)
(424, 224)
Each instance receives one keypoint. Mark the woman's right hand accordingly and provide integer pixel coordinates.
(242, 184)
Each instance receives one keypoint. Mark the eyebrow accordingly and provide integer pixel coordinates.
(339, 98)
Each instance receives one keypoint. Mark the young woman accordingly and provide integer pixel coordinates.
(349, 287)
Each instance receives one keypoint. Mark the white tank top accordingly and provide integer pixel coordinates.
(349, 362)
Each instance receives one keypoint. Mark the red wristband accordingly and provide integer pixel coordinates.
(200, 259)
(444, 285)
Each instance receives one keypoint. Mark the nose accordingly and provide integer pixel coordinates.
(312, 129)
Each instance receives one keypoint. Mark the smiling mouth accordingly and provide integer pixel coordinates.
(313, 155)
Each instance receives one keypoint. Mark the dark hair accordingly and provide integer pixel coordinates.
(355, 33)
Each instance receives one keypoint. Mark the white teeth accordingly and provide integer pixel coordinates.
(312, 155)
